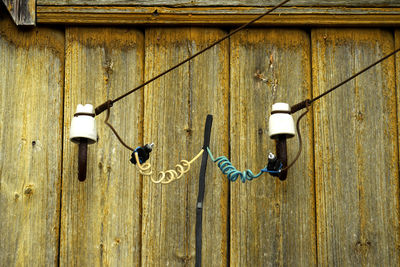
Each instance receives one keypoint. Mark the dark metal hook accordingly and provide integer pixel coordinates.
(82, 159)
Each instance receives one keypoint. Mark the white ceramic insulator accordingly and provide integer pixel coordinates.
(281, 122)
(83, 126)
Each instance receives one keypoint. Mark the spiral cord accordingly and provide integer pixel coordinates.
(231, 172)
(168, 176)
(144, 169)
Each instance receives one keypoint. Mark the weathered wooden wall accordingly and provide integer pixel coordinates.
(31, 147)
(339, 205)
(101, 218)
(272, 222)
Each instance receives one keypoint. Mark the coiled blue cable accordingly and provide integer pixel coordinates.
(232, 173)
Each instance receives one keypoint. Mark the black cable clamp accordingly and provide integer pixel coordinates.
(143, 153)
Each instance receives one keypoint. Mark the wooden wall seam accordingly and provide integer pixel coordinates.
(396, 38)
(313, 150)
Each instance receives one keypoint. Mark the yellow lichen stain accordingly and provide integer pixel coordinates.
(49, 38)
(109, 38)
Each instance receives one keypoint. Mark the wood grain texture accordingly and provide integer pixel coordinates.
(31, 99)
(160, 15)
(176, 107)
(23, 12)
(272, 222)
(101, 217)
(397, 70)
(183, 3)
(356, 147)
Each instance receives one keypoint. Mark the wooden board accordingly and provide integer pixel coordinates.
(272, 222)
(176, 107)
(31, 99)
(160, 15)
(356, 149)
(101, 217)
(181, 3)
(397, 69)
(23, 12)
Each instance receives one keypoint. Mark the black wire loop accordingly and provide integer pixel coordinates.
(112, 128)
(307, 105)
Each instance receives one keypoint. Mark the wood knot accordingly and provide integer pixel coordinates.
(259, 76)
(28, 191)
(359, 116)
(108, 67)
(363, 247)
(185, 258)
(116, 242)
(188, 131)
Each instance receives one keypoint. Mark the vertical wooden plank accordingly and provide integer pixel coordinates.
(176, 107)
(272, 222)
(356, 149)
(101, 217)
(31, 97)
(397, 73)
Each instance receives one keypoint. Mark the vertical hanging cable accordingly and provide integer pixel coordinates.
(202, 187)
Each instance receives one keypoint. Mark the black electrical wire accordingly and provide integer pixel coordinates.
(113, 129)
(109, 103)
(299, 138)
(308, 102)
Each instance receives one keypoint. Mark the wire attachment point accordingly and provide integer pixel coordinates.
(143, 153)
(274, 165)
(106, 105)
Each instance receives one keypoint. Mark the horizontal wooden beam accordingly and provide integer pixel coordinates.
(243, 3)
(202, 16)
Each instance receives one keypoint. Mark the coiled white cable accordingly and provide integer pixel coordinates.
(165, 177)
